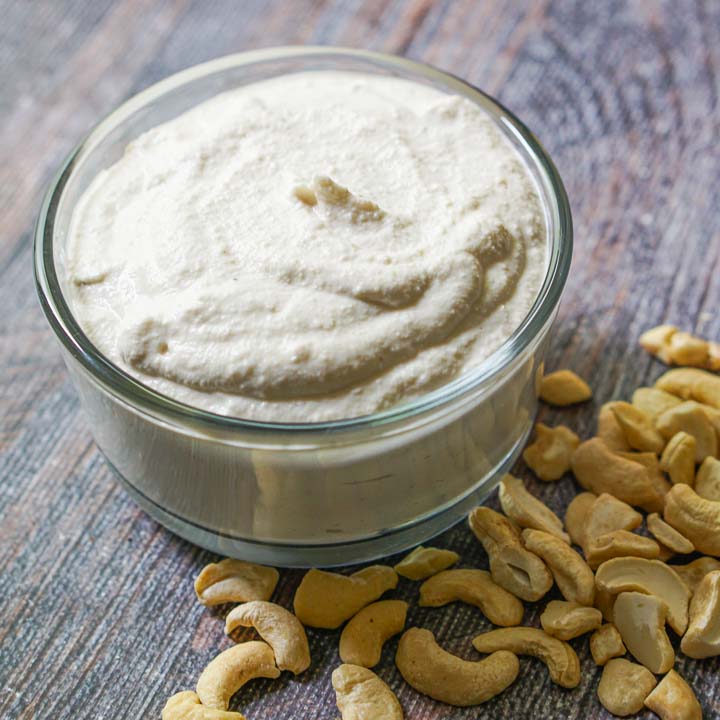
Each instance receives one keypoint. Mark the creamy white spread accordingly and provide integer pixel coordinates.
(312, 247)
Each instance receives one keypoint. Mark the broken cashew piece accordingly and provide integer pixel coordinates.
(564, 387)
(689, 417)
(608, 514)
(361, 695)
(526, 510)
(694, 517)
(619, 543)
(702, 638)
(673, 699)
(187, 706)
(549, 455)
(605, 602)
(514, 568)
(692, 384)
(443, 676)
(609, 430)
(568, 620)
(423, 562)
(650, 577)
(231, 669)
(571, 573)
(695, 571)
(606, 643)
(660, 483)
(653, 401)
(576, 516)
(656, 341)
(474, 587)
(362, 639)
(278, 627)
(678, 458)
(326, 600)
(638, 427)
(233, 580)
(668, 536)
(623, 687)
(640, 620)
(707, 481)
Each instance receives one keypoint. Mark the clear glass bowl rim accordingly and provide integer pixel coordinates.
(132, 391)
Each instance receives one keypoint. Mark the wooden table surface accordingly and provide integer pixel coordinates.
(98, 617)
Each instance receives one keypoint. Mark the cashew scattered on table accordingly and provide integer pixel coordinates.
(692, 384)
(561, 660)
(702, 638)
(326, 600)
(187, 706)
(668, 536)
(689, 417)
(550, 453)
(423, 562)
(678, 458)
(657, 339)
(693, 572)
(231, 669)
(640, 620)
(608, 514)
(526, 510)
(707, 481)
(235, 581)
(650, 577)
(605, 603)
(567, 620)
(638, 427)
(361, 695)
(673, 699)
(653, 401)
(278, 627)
(576, 516)
(623, 687)
(606, 643)
(694, 517)
(512, 567)
(443, 676)
(362, 639)
(609, 430)
(474, 587)
(571, 573)
(564, 387)
(619, 543)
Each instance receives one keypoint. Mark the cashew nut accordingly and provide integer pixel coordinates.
(656, 476)
(650, 577)
(361, 695)
(619, 543)
(694, 517)
(695, 571)
(673, 699)
(231, 669)
(609, 430)
(702, 638)
(668, 536)
(707, 482)
(564, 387)
(187, 706)
(687, 349)
(600, 470)
(606, 643)
(512, 567)
(640, 619)
(233, 580)
(657, 339)
(692, 384)
(445, 677)
(678, 458)
(326, 600)
(571, 573)
(474, 587)
(362, 639)
(561, 660)
(653, 401)
(423, 562)
(608, 514)
(568, 620)
(623, 687)
(526, 510)
(576, 516)
(638, 427)
(278, 627)
(605, 603)
(549, 455)
(690, 417)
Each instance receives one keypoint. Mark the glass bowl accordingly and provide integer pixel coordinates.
(316, 493)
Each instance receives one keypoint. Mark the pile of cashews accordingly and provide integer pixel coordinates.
(659, 453)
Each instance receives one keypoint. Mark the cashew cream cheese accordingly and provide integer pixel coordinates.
(307, 248)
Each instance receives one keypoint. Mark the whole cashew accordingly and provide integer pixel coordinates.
(678, 458)
(231, 669)
(576, 516)
(361, 695)
(638, 427)
(572, 574)
(362, 639)
(689, 417)
(474, 587)
(702, 638)
(564, 387)
(278, 627)
(549, 455)
(512, 567)
(623, 687)
(653, 401)
(568, 620)
(442, 676)
(673, 699)
(423, 562)
(606, 643)
(694, 517)
(561, 660)
(235, 581)
(187, 706)
(326, 600)
(692, 384)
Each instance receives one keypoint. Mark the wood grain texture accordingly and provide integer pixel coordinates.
(97, 613)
